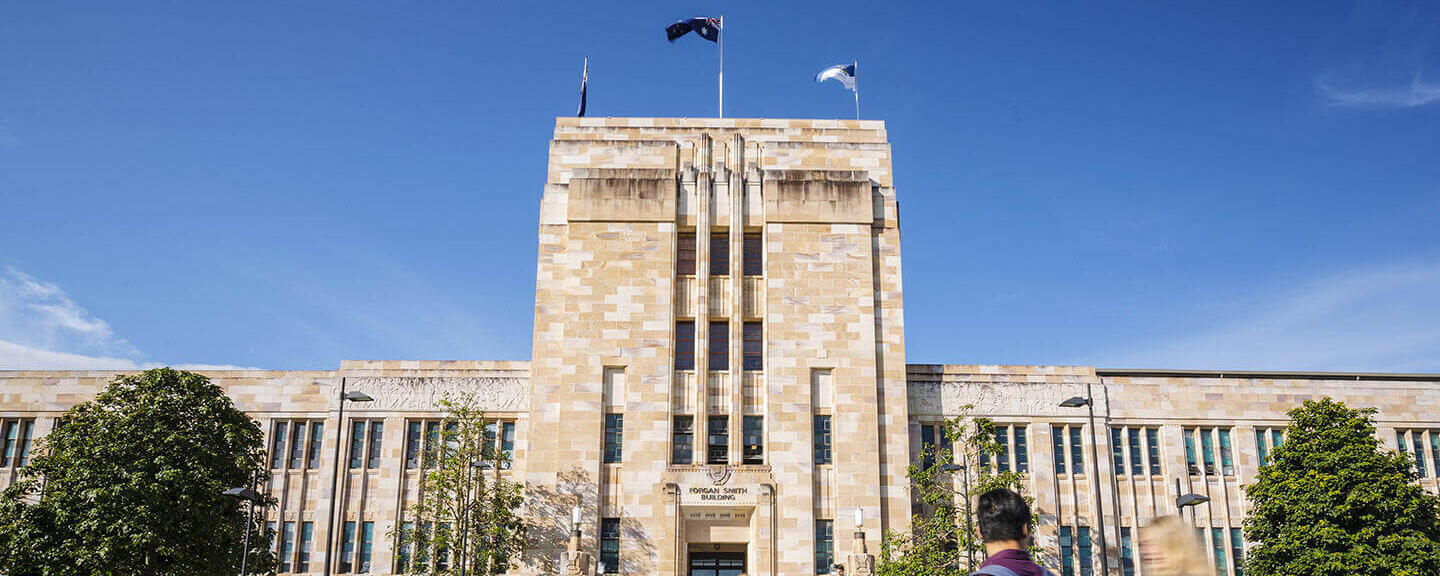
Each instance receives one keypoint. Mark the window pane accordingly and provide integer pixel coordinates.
(1227, 462)
(1237, 550)
(1022, 451)
(821, 434)
(1190, 452)
(754, 346)
(1127, 556)
(412, 444)
(347, 546)
(12, 430)
(719, 447)
(1277, 438)
(685, 256)
(1435, 450)
(367, 544)
(824, 546)
(719, 346)
(407, 546)
(754, 252)
(277, 446)
(317, 439)
(682, 441)
(928, 447)
(1002, 458)
(1117, 450)
(432, 444)
(1152, 442)
(377, 433)
(357, 443)
(1207, 449)
(297, 445)
(307, 541)
(1077, 455)
(1067, 554)
(1217, 543)
(507, 445)
(1086, 563)
(685, 345)
(287, 546)
(610, 545)
(614, 430)
(1135, 464)
(1260, 449)
(754, 446)
(719, 254)
(1419, 443)
(1057, 435)
(27, 427)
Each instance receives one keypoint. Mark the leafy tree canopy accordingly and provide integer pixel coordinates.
(1331, 502)
(131, 483)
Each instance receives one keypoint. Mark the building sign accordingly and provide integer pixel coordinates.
(712, 495)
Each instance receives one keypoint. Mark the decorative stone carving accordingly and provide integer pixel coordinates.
(860, 562)
(996, 398)
(495, 394)
(574, 561)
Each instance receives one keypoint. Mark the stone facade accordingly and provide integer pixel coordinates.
(794, 309)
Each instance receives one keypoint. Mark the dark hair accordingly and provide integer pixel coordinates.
(1003, 515)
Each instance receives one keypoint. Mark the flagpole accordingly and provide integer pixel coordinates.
(857, 89)
(722, 65)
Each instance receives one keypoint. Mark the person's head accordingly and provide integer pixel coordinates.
(1003, 516)
(1169, 547)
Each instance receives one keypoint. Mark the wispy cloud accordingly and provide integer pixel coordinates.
(1417, 93)
(1384, 318)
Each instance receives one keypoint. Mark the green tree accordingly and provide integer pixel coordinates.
(131, 483)
(466, 519)
(940, 541)
(1331, 502)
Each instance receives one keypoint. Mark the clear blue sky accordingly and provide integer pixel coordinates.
(285, 185)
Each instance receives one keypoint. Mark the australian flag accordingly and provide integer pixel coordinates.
(707, 28)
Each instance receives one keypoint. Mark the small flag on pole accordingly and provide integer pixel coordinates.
(707, 28)
(845, 75)
(584, 79)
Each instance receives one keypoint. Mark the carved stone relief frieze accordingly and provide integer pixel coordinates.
(946, 398)
(494, 394)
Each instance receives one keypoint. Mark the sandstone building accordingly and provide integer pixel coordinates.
(718, 380)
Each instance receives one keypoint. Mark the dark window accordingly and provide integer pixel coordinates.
(377, 433)
(720, 345)
(685, 345)
(287, 546)
(407, 547)
(1227, 460)
(432, 444)
(367, 544)
(1190, 452)
(1067, 552)
(27, 427)
(317, 438)
(307, 541)
(1435, 451)
(685, 258)
(1277, 438)
(754, 446)
(614, 437)
(1217, 542)
(1207, 449)
(1002, 437)
(1077, 456)
(297, 445)
(824, 546)
(719, 448)
(1135, 464)
(1117, 450)
(12, 432)
(442, 553)
(821, 435)
(1022, 451)
(754, 255)
(754, 346)
(928, 446)
(682, 440)
(413, 436)
(1152, 443)
(1237, 549)
(1057, 435)
(719, 254)
(1260, 449)
(506, 432)
(347, 546)
(610, 545)
(1127, 555)
(1086, 564)
(357, 444)
(277, 446)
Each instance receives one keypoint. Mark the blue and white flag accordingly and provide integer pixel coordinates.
(707, 28)
(845, 74)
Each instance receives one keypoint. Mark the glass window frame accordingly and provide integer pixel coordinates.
(685, 345)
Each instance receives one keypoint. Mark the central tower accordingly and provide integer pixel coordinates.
(718, 373)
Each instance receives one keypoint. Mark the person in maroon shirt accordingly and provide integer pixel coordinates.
(1004, 519)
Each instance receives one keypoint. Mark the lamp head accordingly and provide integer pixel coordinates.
(354, 396)
(1074, 402)
(1186, 500)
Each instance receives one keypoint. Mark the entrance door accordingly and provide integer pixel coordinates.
(717, 563)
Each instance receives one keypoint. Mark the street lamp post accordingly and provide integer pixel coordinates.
(965, 478)
(253, 497)
(1089, 402)
(1183, 501)
(335, 470)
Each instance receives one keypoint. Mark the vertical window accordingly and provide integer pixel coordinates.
(929, 447)
(307, 542)
(1086, 563)
(719, 253)
(1237, 551)
(347, 546)
(12, 430)
(424, 544)
(754, 346)
(821, 435)
(1190, 452)
(357, 443)
(614, 437)
(287, 545)
(367, 544)
(1277, 438)
(377, 433)
(1260, 449)
(682, 440)
(1002, 459)
(685, 256)
(824, 546)
(1217, 543)
(432, 444)
(720, 345)
(1227, 460)
(719, 446)
(1418, 441)
(407, 547)
(1077, 454)
(1127, 554)
(1022, 451)
(1133, 436)
(1067, 552)
(1152, 443)
(610, 545)
(297, 445)
(277, 446)
(685, 345)
(27, 427)
(1117, 450)
(1435, 451)
(412, 444)
(754, 255)
(1057, 435)
(754, 440)
(1207, 449)
(442, 553)
(507, 444)
(317, 438)
(271, 530)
